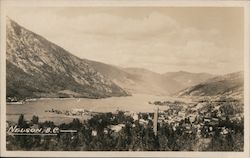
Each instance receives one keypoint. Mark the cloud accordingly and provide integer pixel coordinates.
(107, 24)
(96, 23)
(154, 41)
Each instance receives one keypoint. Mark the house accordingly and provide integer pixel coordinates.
(192, 118)
(135, 116)
(128, 113)
(116, 128)
(224, 131)
(188, 127)
(78, 111)
(182, 114)
(215, 119)
(94, 133)
(143, 122)
(207, 120)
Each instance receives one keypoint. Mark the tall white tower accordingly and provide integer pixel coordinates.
(156, 109)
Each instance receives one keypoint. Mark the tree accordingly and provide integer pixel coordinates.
(21, 121)
(35, 119)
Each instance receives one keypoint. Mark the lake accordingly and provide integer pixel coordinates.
(136, 103)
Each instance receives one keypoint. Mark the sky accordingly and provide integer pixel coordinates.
(161, 39)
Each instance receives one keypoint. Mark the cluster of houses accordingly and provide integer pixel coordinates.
(73, 112)
(14, 100)
(199, 117)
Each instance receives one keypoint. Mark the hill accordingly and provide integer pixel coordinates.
(187, 79)
(230, 85)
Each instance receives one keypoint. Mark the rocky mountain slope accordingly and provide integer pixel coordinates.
(230, 85)
(38, 68)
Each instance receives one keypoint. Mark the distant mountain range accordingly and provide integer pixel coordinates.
(229, 85)
(187, 79)
(152, 83)
(38, 68)
(139, 80)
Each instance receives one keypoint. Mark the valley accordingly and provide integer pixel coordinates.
(113, 107)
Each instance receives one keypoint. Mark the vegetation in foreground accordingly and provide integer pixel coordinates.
(99, 134)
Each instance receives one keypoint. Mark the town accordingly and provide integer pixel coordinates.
(204, 125)
(202, 115)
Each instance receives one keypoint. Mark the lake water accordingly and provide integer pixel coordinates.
(136, 103)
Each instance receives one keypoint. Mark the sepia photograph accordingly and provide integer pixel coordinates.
(124, 78)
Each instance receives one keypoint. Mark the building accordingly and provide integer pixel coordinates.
(116, 128)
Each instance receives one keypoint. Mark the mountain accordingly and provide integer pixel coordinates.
(38, 68)
(139, 80)
(187, 79)
(116, 74)
(132, 81)
(230, 84)
(152, 82)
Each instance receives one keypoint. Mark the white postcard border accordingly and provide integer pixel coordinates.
(138, 3)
